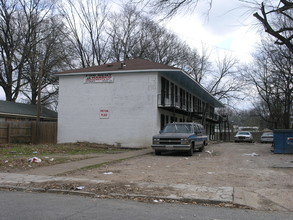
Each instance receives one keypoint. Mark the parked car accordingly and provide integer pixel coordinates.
(267, 137)
(243, 136)
(180, 136)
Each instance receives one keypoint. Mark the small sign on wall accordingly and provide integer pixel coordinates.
(104, 113)
(98, 78)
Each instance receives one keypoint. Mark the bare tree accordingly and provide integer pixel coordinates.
(124, 32)
(134, 35)
(18, 21)
(272, 76)
(224, 82)
(50, 52)
(170, 7)
(276, 18)
(196, 65)
(86, 21)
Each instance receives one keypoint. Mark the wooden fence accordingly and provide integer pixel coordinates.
(28, 132)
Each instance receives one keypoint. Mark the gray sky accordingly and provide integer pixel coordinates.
(229, 28)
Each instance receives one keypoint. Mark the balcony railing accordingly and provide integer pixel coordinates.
(180, 105)
(172, 103)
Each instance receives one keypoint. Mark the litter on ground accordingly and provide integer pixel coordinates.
(253, 154)
(108, 173)
(209, 152)
(156, 201)
(34, 160)
(80, 187)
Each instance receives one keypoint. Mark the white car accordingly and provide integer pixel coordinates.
(243, 136)
(267, 137)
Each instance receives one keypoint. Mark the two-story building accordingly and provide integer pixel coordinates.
(125, 104)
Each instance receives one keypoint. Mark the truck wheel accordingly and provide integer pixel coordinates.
(157, 152)
(202, 147)
(190, 151)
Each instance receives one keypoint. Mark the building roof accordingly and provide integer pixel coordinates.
(21, 110)
(141, 65)
(127, 65)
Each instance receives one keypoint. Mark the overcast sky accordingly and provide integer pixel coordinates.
(229, 28)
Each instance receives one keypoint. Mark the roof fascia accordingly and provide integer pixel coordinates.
(2, 114)
(119, 71)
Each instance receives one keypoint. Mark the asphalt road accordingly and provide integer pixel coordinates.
(22, 205)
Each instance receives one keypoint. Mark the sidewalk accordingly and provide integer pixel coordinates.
(71, 166)
(259, 199)
(183, 192)
(264, 198)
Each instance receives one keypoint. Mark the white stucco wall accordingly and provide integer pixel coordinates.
(132, 103)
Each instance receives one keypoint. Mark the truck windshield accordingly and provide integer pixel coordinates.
(177, 128)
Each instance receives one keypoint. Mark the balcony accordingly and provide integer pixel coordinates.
(213, 117)
(181, 106)
(172, 104)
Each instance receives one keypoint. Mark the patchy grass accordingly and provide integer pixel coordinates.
(10, 150)
(14, 157)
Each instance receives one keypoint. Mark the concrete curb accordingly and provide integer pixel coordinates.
(153, 199)
(177, 192)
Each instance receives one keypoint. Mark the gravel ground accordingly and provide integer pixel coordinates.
(224, 164)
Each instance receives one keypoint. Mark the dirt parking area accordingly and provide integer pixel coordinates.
(224, 164)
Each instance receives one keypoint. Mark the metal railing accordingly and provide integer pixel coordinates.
(181, 104)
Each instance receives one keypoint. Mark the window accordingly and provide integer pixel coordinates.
(199, 105)
(187, 101)
(181, 98)
(172, 94)
(162, 121)
(176, 94)
(195, 104)
(167, 88)
(178, 128)
(167, 119)
(164, 89)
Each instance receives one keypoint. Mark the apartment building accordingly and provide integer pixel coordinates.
(126, 103)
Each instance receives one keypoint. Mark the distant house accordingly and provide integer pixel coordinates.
(126, 103)
(11, 111)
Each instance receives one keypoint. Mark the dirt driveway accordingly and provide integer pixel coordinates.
(224, 164)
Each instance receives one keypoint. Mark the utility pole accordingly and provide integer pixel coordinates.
(41, 71)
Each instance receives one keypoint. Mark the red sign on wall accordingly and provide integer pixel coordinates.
(98, 78)
(104, 113)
